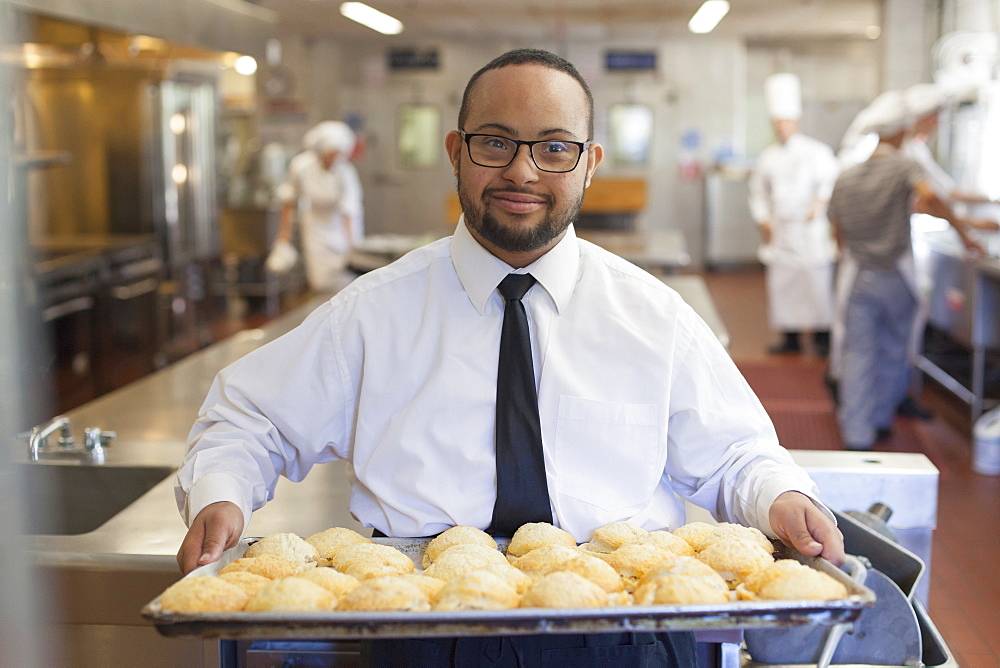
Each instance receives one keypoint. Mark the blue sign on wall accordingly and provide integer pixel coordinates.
(630, 60)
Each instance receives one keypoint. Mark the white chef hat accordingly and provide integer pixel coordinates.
(783, 96)
(886, 115)
(330, 136)
(923, 99)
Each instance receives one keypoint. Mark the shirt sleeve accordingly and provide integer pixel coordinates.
(722, 450)
(277, 411)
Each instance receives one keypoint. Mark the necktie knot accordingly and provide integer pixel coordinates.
(514, 286)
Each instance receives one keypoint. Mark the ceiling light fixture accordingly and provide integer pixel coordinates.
(708, 16)
(371, 17)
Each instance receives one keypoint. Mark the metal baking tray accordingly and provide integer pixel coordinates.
(612, 619)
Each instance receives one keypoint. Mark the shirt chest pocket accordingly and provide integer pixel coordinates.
(606, 453)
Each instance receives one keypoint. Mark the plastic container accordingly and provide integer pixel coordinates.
(986, 443)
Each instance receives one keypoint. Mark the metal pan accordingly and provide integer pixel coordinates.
(617, 619)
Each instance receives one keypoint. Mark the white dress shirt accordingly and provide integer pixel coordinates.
(397, 375)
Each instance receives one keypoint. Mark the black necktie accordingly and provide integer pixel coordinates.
(522, 494)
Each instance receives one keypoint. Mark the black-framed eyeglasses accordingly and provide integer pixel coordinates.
(549, 155)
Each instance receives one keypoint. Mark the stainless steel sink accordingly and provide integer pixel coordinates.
(72, 498)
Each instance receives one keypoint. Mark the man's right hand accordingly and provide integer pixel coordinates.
(217, 527)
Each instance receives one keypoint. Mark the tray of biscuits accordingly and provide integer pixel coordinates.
(340, 584)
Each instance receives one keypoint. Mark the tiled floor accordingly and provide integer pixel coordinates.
(965, 587)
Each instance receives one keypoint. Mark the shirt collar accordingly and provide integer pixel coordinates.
(480, 271)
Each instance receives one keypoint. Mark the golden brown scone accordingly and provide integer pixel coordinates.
(460, 559)
(331, 541)
(667, 541)
(285, 545)
(268, 565)
(477, 590)
(392, 592)
(516, 578)
(610, 537)
(536, 534)
(738, 532)
(330, 579)
(455, 536)
(563, 590)
(203, 593)
(292, 594)
(372, 560)
(681, 590)
(735, 560)
(544, 559)
(633, 560)
(695, 533)
(249, 582)
(787, 579)
(427, 584)
(686, 566)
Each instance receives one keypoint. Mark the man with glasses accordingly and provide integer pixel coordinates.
(630, 399)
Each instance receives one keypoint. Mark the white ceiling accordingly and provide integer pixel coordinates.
(523, 20)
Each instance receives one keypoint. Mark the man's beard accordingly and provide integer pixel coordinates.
(517, 238)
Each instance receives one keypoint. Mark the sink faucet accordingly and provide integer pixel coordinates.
(38, 439)
(95, 441)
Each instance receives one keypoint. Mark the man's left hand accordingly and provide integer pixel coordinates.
(800, 524)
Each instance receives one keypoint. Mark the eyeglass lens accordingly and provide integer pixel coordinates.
(551, 156)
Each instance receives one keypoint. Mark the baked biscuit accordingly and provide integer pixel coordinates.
(544, 559)
(331, 541)
(667, 541)
(737, 532)
(610, 537)
(787, 579)
(203, 593)
(250, 582)
(536, 534)
(633, 560)
(516, 578)
(392, 592)
(695, 533)
(457, 535)
(564, 590)
(285, 545)
(372, 560)
(477, 590)
(735, 560)
(427, 584)
(460, 559)
(683, 565)
(268, 565)
(330, 579)
(681, 590)
(291, 595)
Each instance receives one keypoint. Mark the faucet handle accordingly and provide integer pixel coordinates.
(95, 438)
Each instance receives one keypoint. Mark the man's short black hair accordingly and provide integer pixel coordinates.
(530, 57)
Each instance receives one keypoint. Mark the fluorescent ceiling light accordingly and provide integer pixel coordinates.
(708, 16)
(371, 17)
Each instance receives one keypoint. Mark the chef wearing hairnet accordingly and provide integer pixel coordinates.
(789, 188)
(323, 187)
(877, 293)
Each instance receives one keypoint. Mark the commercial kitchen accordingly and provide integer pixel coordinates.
(143, 147)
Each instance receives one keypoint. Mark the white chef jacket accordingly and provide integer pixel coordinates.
(396, 374)
(784, 185)
(324, 197)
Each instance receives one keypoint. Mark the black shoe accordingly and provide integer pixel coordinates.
(883, 434)
(821, 343)
(790, 344)
(834, 387)
(858, 447)
(909, 407)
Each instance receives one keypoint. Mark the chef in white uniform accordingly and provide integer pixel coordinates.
(789, 189)
(323, 187)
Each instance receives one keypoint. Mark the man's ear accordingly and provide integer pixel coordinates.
(453, 145)
(594, 156)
